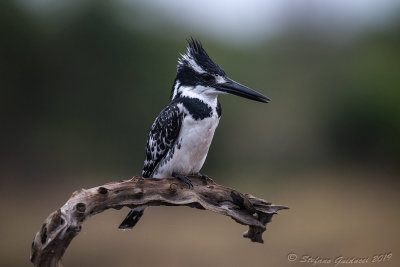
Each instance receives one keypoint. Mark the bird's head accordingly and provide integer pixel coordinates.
(198, 76)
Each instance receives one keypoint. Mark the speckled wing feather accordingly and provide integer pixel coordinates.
(162, 137)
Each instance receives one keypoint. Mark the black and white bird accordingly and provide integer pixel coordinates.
(181, 135)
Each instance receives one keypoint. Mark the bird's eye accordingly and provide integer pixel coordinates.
(208, 77)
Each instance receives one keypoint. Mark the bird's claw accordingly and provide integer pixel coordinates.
(207, 179)
(203, 176)
(184, 179)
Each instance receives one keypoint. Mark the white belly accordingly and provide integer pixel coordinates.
(191, 151)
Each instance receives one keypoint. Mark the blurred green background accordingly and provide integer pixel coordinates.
(82, 81)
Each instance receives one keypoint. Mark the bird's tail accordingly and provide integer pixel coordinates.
(132, 218)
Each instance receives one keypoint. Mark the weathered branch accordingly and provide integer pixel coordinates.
(64, 224)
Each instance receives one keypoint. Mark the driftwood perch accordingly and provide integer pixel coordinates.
(64, 224)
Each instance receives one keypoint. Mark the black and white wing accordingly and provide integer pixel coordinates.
(163, 134)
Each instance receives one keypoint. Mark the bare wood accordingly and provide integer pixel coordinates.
(64, 224)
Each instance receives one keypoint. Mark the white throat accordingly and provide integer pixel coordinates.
(206, 94)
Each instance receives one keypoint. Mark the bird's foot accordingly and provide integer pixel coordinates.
(205, 177)
(183, 178)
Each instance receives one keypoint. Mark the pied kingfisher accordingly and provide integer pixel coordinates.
(181, 134)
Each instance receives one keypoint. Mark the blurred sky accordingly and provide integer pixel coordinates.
(242, 22)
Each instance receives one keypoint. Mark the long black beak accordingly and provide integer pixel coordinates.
(235, 88)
